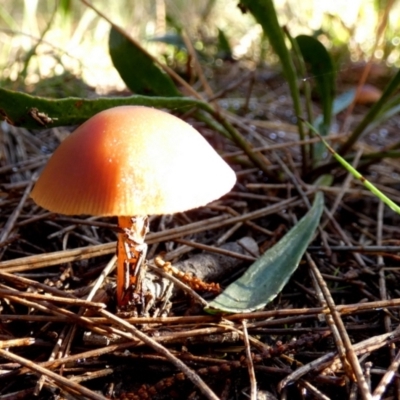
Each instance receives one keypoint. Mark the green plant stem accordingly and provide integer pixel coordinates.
(371, 115)
(265, 14)
(366, 160)
(17, 108)
(391, 204)
(34, 112)
(307, 87)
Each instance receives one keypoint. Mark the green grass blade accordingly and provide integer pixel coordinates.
(265, 14)
(357, 175)
(34, 112)
(372, 114)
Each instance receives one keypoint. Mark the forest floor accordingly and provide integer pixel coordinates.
(57, 344)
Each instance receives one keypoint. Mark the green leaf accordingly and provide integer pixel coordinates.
(34, 112)
(268, 275)
(320, 62)
(340, 103)
(137, 69)
(224, 48)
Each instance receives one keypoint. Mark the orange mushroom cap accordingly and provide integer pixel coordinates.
(367, 94)
(132, 160)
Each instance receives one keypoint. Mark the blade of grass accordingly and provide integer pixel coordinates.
(34, 112)
(306, 85)
(20, 109)
(371, 115)
(391, 204)
(265, 14)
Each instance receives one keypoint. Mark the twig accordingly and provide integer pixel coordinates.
(317, 394)
(8, 227)
(350, 354)
(217, 250)
(386, 378)
(58, 379)
(250, 365)
(322, 362)
(198, 68)
(195, 378)
(55, 353)
(35, 296)
(58, 257)
(345, 309)
(22, 342)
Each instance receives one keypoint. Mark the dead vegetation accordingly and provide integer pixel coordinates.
(336, 319)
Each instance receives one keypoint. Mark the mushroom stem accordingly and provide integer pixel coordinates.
(131, 252)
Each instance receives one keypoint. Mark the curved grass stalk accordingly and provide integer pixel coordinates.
(371, 116)
(391, 204)
(265, 14)
(35, 112)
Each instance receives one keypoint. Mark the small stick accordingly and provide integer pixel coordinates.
(386, 378)
(350, 355)
(250, 365)
(52, 299)
(83, 253)
(8, 227)
(362, 347)
(195, 378)
(58, 379)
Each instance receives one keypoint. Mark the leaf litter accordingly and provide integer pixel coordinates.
(60, 336)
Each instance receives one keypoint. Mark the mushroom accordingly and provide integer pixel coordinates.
(131, 162)
(367, 94)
